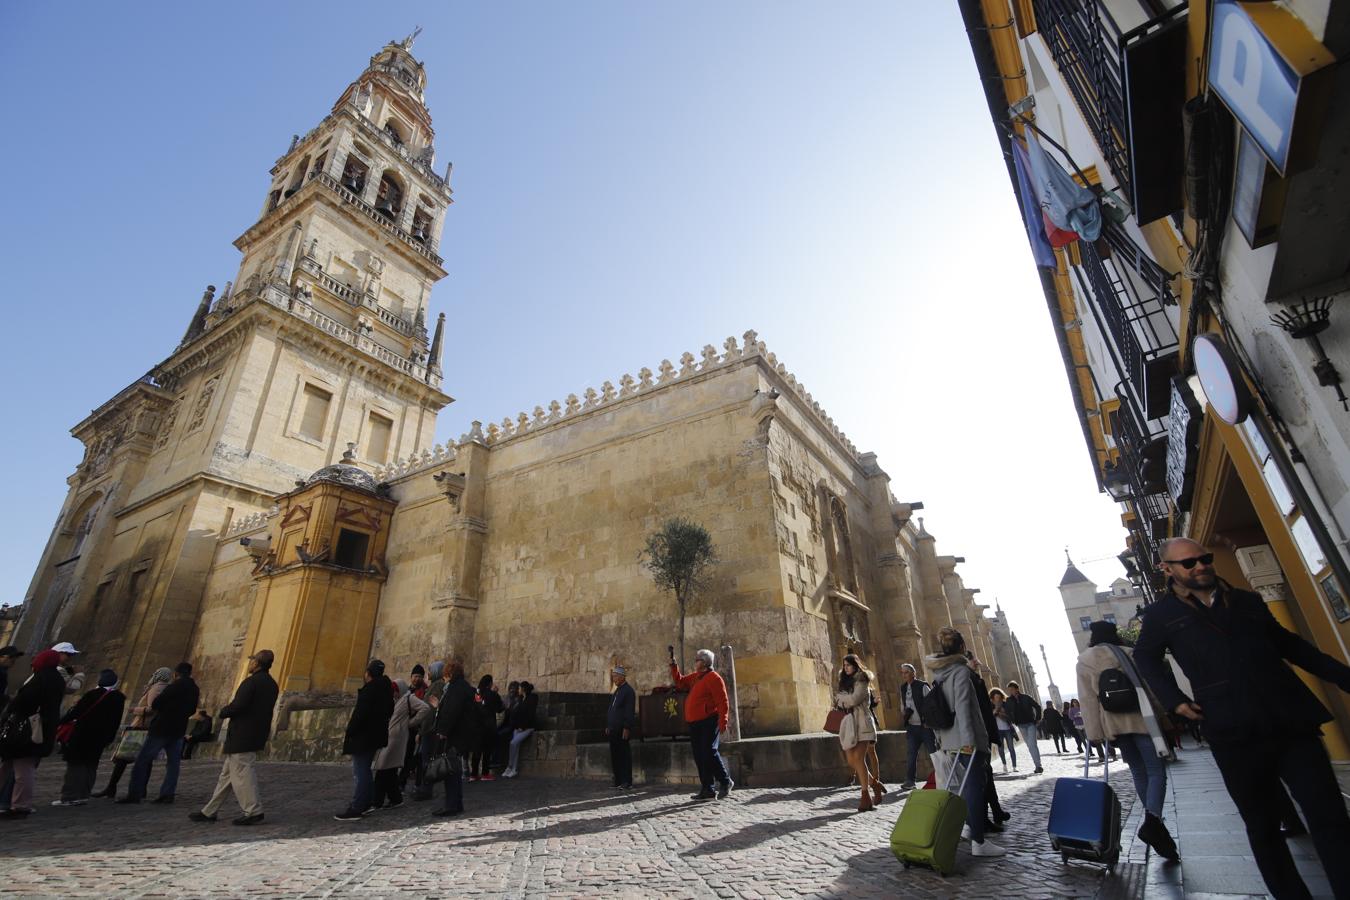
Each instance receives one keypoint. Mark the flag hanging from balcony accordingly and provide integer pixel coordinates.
(1041, 249)
(1068, 205)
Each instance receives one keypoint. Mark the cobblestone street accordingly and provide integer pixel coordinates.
(522, 838)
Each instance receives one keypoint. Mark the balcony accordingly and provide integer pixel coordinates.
(1085, 42)
(376, 216)
(1129, 295)
(1142, 468)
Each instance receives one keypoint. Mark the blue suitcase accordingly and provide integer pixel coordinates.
(1085, 819)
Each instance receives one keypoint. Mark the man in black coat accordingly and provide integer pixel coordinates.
(367, 731)
(1025, 714)
(457, 733)
(917, 735)
(173, 707)
(96, 718)
(1262, 722)
(619, 724)
(250, 718)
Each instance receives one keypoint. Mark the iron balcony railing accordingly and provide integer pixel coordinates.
(1085, 42)
(1134, 313)
(1143, 455)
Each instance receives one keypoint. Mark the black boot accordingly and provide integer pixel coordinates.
(1154, 833)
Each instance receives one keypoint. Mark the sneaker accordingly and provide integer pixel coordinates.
(725, 789)
(986, 848)
(907, 786)
(473, 778)
(626, 787)
(249, 820)
(67, 803)
(1037, 771)
(510, 773)
(201, 817)
(488, 776)
(163, 798)
(704, 794)
(965, 832)
(348, 815)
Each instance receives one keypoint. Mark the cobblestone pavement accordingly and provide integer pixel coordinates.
(523, 838)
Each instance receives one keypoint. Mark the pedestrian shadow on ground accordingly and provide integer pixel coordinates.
(757, 833)
(799, 793)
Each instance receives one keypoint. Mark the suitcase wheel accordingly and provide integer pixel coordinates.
(906, 864)
(1064, 857)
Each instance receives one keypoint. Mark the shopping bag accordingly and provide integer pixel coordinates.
(129, 747)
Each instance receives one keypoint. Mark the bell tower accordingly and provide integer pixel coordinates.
(319, 342)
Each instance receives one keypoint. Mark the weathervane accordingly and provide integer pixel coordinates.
(408, 41)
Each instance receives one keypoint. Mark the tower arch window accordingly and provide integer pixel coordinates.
(79, 525)
(354, 173)
(421, 225)
(299, 178)
(389, 200)
(843, 547)
(396, 131)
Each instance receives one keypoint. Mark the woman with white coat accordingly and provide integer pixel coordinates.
(857, 731)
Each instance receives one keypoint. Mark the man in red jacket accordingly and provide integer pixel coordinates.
(706, 712)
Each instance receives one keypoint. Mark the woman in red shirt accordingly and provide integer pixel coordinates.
(706, 712)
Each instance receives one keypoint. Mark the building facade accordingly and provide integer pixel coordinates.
(273, 484)
(1121, 604)
(1201, 313)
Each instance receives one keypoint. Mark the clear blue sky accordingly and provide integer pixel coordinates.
(631, 181)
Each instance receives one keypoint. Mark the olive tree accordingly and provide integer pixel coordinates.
(679, 556)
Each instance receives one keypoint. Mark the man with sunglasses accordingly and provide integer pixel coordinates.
(1262, 722)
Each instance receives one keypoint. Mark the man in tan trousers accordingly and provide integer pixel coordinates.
(250, 718)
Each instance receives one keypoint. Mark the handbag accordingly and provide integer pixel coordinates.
(833, 719)
(16, 736)
(443, 766)
(129, 747)
(66, 730)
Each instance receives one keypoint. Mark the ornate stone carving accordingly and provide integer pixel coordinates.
(203, 403)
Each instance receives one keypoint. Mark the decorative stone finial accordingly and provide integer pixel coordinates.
(349, 455)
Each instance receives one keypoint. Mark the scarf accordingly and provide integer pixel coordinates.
(1146, 708)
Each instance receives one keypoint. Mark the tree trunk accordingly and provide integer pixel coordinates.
(680, 600)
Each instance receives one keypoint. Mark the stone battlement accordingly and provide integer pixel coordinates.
(591, 400)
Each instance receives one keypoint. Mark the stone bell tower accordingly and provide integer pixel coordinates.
(320, 340)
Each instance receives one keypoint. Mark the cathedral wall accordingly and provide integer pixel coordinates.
(563, 592)
(410, 627)
(227, 604)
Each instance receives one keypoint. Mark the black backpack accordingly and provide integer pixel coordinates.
(935, 710)
(1116, 692)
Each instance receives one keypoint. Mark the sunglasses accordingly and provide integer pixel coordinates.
(1190, 561)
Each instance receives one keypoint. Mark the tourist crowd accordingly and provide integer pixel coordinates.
(405, 735)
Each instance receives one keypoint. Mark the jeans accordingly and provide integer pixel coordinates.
(454, 785)
(621, 759)
(517, 738)
(364, 781)
(916, 737)
(1030, 735)
(1006, 739)
(704, 739)
(140, 773)
(1252, 771)
(1148, 769)
(974, 794)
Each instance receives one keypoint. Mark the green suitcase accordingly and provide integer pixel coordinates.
(929, 828)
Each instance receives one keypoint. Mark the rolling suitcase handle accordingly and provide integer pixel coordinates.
(956, 761)
(1087, 760)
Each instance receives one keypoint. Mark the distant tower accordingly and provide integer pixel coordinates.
(1079, 594)
(1051, 688)
(321, 340)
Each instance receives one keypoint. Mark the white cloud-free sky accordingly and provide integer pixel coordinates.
(631, 181)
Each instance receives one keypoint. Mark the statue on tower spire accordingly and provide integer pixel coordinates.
(407, 42)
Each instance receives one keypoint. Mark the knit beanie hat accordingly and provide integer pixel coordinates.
(418, 670)
(107, 679)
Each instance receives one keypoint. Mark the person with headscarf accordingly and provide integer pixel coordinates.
(426, 735)
(22, 742)
(93, 724)
(141, 714)
(1134, 732)
(409, 713)
(857, 730)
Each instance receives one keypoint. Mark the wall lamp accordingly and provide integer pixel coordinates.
(1305, 321)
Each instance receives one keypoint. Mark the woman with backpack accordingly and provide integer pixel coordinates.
(857, 731)
(1118, 707)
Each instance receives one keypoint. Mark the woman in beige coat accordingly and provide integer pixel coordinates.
(141, 714)
(1136, 732)
(858, 731)
(410, 712)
